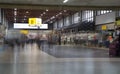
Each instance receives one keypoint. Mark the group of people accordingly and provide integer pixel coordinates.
(114, 47)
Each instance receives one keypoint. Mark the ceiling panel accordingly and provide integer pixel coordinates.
(22, 15)
(70, 2)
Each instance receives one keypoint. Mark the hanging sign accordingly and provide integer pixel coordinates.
(35, 21)
(104, 27)
(118, 23)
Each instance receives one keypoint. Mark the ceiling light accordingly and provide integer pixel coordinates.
(65, 1)
(15, 13)
(25, 16)
(41, 14)
(56, 15)
(46, 9)
(15, 9)
(15, 19)
(44, 13)
(53, 17)
(48, 20)
(27, 12)
(51, 21)
(24, 19)
(60, 13)
(65, 10)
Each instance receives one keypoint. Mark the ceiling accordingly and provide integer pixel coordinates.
(48, 16)
(52, 14)
(70, 2)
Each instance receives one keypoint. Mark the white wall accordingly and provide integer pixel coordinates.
(105, 18)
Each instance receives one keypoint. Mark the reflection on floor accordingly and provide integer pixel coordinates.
(75, 52)
(56, 60)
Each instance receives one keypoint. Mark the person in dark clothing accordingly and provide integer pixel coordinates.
(118, 42)
(118, 47)
(59, 39)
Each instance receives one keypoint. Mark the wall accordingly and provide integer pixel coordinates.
(105, 18)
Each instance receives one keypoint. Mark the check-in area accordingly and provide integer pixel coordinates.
(59, 37)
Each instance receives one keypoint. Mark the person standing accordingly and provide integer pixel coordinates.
(118, 43)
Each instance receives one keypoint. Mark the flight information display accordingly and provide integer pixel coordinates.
(26, 26)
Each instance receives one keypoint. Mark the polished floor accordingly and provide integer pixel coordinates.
(56, 60)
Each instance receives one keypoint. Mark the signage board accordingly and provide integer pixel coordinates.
(35, 21)
(24, 32)
(118, 23)
(26, 26)
(104, 27)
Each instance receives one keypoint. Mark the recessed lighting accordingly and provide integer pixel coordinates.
(15, 9)
(51, 21)
(65, 1)
(44, 13)
(56, 15)
(53, 17)
(60, 13)
(65, 10)
(24, 19)
(41, 14)
(27, 12)
(46, 9)
(15, 19)
(15, 13)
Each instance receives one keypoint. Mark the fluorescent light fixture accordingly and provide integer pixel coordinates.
(65, 1)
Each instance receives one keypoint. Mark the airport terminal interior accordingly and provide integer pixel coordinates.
(59, 37)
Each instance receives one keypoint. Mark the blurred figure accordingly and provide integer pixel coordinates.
(114, 48)
(118, 43)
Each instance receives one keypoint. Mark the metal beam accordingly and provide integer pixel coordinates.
(57, 7)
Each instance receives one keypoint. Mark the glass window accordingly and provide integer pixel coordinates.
(87, 15)
(100, 12)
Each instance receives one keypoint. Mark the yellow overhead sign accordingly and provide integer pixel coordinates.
(24, 32)
(118, 23)
(32, 21)
(35, 21)
(104, 27)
